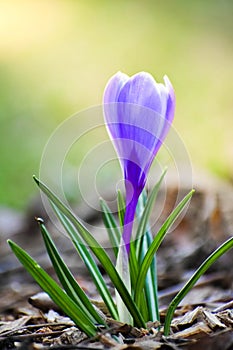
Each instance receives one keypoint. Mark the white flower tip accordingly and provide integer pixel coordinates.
(169, 86)
(167, 80)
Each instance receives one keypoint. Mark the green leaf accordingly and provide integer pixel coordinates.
(55, 292)
(155, 244)
(143, 243)
(193, 279)
(121, 207)
(133, 264)
(144, 209)
(89, 262)
(100, 254)
(150, 287)
(67, 280)
(114, 233)
(122, 267)
(143, 223)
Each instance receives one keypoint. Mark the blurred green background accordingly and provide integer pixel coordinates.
(56, 57)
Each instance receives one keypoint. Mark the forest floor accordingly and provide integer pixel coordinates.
(204, 319)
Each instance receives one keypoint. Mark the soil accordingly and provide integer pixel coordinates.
(204, 319)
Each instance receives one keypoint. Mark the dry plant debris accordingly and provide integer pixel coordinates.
(37, 329)
(203, 321)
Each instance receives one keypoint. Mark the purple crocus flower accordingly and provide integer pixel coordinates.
(138, 113)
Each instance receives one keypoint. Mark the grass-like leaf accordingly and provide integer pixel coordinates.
(144, 209)
(144, 217)
(133, 264)
(55, 292)
(67, 280)
(100, 254)
(143, 244)
(89, 262)
(122, 267)
(150, 287)
(121, 207)
(193, 279)
(155, 245)
(114, 233)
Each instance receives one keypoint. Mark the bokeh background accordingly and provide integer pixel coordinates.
(56, 57)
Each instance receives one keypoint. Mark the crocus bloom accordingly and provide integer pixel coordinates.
(138, 113)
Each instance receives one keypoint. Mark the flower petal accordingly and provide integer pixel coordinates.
(110, 98)
(141, 89)
(171, 102)
(163, 97)
(114, 86)
(138, 113)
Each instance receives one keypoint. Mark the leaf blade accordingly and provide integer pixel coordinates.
(66, 278)
(121, 207)
(144, 218)
(90, 264)
(53, 290)
(111, 226)
(156, 243)
(193, 279)
(100, 254)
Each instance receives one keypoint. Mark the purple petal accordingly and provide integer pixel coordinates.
(163, 97)
(138, 113)
(114, 86)
(136, 139)
(171, 103)
(111, 94)
(141, 89)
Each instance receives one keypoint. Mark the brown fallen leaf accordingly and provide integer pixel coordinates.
(212, 320)
(13, 325)
(188, 319)
(196, 331)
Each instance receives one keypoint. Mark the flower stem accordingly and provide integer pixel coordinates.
(130, 210)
